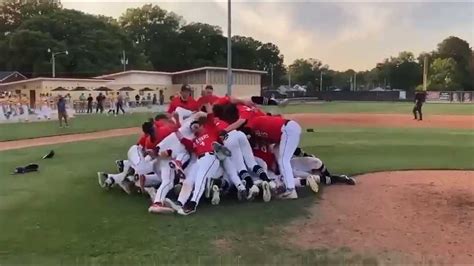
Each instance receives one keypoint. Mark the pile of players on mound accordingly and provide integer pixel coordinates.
(217, 146)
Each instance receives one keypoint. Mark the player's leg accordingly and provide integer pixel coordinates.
(167, 183)
(249, 159)
(207, 167)
(290, 139)
(231, 174)
(419, 111)
(415, 112)
(237, 157)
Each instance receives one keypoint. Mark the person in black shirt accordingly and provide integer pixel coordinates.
(89, 103)
(100, 103)
(420, 98)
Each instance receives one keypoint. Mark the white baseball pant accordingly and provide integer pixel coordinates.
(242, 154)
(290, 139)
(141, 164)
(207, 166)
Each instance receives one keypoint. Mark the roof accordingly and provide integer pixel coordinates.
(131, 72)
(5, 74)
(221, 69)
(178, 72)
(53, 79)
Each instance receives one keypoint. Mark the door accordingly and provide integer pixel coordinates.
(32, 99)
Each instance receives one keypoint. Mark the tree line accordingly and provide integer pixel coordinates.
(156, 39)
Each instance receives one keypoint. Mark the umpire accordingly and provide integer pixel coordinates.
(420, 97)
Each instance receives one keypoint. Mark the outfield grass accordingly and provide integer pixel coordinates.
(83, 124)
(376, 107)
(79, 124)
(60, 215)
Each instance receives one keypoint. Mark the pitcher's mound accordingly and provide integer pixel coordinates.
(402, 217)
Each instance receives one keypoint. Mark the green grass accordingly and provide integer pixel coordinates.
(376, 107)
(79, 124)
(60, 216)
(83, 124)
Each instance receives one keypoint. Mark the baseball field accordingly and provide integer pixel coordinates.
(422, 214)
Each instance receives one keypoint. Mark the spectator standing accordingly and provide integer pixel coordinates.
(100, 103)
(112, 104)
(62, 113)
(89, 103)
(82, 103)
(119, 104)
(137, 99)
(162, 97)
(154, 101)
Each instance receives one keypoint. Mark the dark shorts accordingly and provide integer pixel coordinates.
(62, 115)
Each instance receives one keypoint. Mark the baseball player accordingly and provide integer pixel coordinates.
(184, 104)
(286, 135)
(173, 156)
(207, 164)
(241, 151)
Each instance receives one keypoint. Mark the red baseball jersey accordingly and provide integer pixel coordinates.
(142, 140)
(166, 123)
(247, 112)
(268, 128)
(222, 100)
(220, 124)
(190, 104)
(211, 99)
(160, 133)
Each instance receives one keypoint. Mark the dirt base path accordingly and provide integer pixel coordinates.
(314, 120)
(402, 217)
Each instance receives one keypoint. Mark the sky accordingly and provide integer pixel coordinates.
(344, 35)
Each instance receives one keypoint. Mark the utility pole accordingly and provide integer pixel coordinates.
(229, 48)
(321, 81)
(425, 73)
(355, 81)
(289, 78)
(124, 61)
(271, 69)
(53, 60)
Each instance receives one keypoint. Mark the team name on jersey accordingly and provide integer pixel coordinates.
(200, 140)
(261, 134)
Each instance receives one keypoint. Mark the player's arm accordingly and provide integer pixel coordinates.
(188, 144)
(237, 124)
(172, 106)
(241, 101)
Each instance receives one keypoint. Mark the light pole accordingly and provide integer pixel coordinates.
(53, 59)
(124, 61)
(271, 73)
(229, 49)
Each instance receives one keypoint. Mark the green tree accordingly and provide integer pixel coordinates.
(155, 31)
(14, 12)
(443, 75)
(459, 50)
(268, 56)
(95, 46)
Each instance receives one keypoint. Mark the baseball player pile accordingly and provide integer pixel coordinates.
(215, 147)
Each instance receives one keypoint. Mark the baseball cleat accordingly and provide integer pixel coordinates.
(288, 194)
(159, 208)
(283, 102)
(348, 180)
(119, 164)
(242, 194)
(151, 191)
(188, 208)
(313, 181)
(253, 193)
(125, 185)
(175, 205)
(102, 178)
(216, 198)
(267, 192)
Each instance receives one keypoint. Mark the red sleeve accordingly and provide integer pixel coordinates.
(222, 100)
(142, 140)
(187, 143)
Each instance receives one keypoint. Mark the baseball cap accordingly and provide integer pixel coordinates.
(209, 87)
(186, 87)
